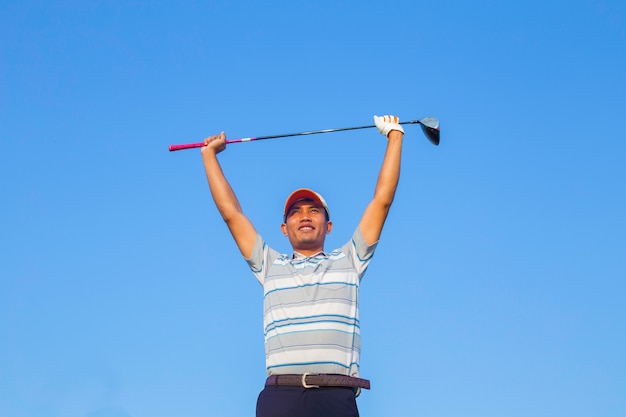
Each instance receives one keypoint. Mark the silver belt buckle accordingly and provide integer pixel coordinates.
(304, 384)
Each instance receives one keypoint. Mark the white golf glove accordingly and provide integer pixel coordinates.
(386, 124)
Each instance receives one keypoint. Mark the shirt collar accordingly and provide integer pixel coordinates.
(298, 255)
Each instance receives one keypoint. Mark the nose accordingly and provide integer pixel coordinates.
(305, 216)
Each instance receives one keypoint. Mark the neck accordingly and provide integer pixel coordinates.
(308, 252)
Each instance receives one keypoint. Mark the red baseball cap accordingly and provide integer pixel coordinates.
(305, 194)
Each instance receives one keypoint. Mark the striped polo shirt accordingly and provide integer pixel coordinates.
(311, 307)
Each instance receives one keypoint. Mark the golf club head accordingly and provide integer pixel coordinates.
(430, 126)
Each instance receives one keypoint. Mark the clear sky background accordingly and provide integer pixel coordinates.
(498, 285)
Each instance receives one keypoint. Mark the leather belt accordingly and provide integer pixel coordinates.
(317, 380)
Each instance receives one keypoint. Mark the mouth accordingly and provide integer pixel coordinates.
(306, 228)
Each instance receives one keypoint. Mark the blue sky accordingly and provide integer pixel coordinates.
(497, 288)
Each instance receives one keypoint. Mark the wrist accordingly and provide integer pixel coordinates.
(395, 135)
(208, 153)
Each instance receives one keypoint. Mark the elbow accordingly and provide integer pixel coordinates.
(384, 200)
(230, 216)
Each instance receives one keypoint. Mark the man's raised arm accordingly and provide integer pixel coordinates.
(373, 220)
(224, 197)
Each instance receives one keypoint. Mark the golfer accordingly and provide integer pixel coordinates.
(311, 309)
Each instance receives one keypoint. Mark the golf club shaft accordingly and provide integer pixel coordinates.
(314, 132)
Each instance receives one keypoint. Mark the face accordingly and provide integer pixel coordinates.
(306, 227)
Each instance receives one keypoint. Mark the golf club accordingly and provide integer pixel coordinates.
(430, 126)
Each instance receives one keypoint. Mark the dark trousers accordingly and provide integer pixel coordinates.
(284, 401)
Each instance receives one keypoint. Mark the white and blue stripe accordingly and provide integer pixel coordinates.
(311, 309)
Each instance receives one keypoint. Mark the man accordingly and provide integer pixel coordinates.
(311, 315)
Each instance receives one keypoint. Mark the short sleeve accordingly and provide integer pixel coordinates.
(257, 260)
(360, 252)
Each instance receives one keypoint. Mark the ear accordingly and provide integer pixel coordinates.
(283, 228)
(329, 226)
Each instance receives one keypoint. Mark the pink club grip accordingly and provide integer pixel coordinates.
(201, 144)
(186, 146)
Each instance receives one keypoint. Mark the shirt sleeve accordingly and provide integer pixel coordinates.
(258, 259)
(360, 252)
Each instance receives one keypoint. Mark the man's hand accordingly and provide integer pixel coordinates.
(214, 144)
(386, 124)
